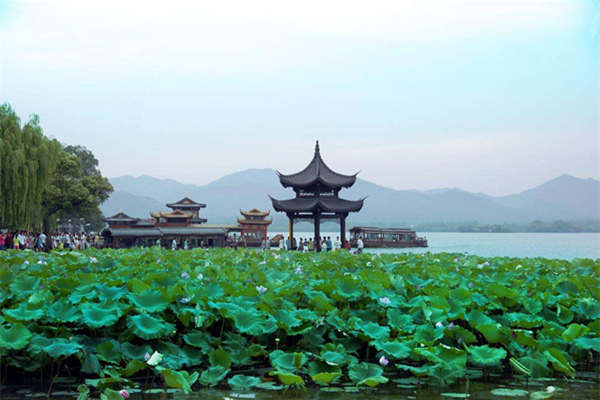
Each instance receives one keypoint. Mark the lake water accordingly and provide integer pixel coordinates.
(548, 245)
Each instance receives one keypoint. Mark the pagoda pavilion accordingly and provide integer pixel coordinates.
(317, 188)
(254, 224)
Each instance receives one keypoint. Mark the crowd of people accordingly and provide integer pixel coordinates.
(23, 240)
(306, 245)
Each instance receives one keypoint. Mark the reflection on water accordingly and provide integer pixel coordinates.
(587, 386)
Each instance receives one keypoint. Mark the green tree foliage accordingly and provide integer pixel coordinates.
(27, 162)
(77, 188)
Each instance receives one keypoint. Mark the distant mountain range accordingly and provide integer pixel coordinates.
(565, 198)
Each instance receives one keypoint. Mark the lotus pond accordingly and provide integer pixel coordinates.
(225, 320)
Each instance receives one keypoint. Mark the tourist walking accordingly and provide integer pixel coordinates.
(174, 245)
(338, 244)
(359, 245)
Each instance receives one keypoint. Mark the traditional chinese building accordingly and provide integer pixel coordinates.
(183, 224)
(253, 226)
(317, 188)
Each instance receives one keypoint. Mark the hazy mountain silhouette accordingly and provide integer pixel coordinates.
(565, 197)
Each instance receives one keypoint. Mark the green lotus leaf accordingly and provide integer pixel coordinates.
(213, 375)
(456, 395)
(493, 333)
(288, 378)
(563, 314)
(442, 354)
(587, 343)
(109, 351)
(90, 364)
(286, 318)
(147, 327)
(349, 287)
(318, 367)
(59, 347)
(507, 392)
(366, 374)
(588, 308)
(526, 321)
(112, 293)
(532, 305)
(325, 378)
(287, 362)
(248, 321)
(400, 321)
(428, 335)
(374, 330)
(243, 382)
(574, 331)
(24, 285)
(150, 301)
(334, 354)
(110, 394)
(536, 364)
(173, 357)
(394, 349)
(97, 315)
(199, 339)
(220, 357)
(559, 361)
(41, 296)
(133, 367)
(63, 311)
(486, 355)
(133, 352)
(179, 379)
(462, 335)
(14, 337)
(26, 312)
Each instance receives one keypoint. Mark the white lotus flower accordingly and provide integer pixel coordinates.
(154, 359)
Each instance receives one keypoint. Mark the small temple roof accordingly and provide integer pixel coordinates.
(305, 204)
(245, 221)
(186, 202)
(173, 214)
(317, 172)
(255, 212)
(120, 217)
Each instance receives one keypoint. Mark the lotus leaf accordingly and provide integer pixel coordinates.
(199, 339)
(400, 321)
(58, 348)
(559, 361)
(507, 392)
(243, 382)
(574, 331)
(394, 349)
(63, 311)
(14, 337)
(24, 285)
(287, 362)
(486, 355)
(150, 301)
(587, 343)
(97, 315)
(213, 375)
(147, 327)
(26, 312)
(288, 378)
(133, 367)
(179, 379)
(220, 357)
(366, 374)
(374, 330)
(109, 351)
(349, 287)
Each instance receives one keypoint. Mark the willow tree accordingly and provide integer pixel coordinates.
(27, 162)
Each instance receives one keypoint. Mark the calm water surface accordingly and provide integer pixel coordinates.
(548, 245)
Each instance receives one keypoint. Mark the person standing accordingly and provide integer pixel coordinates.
(301, 246)
(2, 242)
(267, 243)
(338, 244)
(359, 245)
(329, 243)
(174, 244)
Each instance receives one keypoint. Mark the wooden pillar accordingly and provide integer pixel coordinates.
(291, 232)
(343, 231)
(317, 232)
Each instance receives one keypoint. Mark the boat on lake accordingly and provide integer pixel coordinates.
(386, 237)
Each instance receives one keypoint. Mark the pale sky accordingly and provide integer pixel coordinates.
(492, 96)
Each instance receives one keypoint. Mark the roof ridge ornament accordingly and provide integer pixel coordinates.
(317, 150)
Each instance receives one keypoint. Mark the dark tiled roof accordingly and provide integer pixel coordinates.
(255, 212)
(192, 231)
(120, 216)
(133, 232)
(186, 202)
(266, 221)
(317, 172)
(305, 204)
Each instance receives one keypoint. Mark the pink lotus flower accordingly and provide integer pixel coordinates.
(93, 260)
(147, 356)
(439, 324)
(385, 301)
(124, 393)
(27, 262)
(383, 361)
(185, 275)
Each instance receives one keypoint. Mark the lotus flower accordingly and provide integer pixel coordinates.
(185, 275)
(299, 270)
(154, 359)
(94, 260)
(550, 389)
(456, 260)
(262, 263)
(451, 325)
(124, 393)
(439, 324)
(200, 276)
(147, 356)
(383, 361)
(261, 289)
(470, 285)
(158, 261)
(184, 300)
(27, 262)
(385, 301)
(40, 262)
(487, 264)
